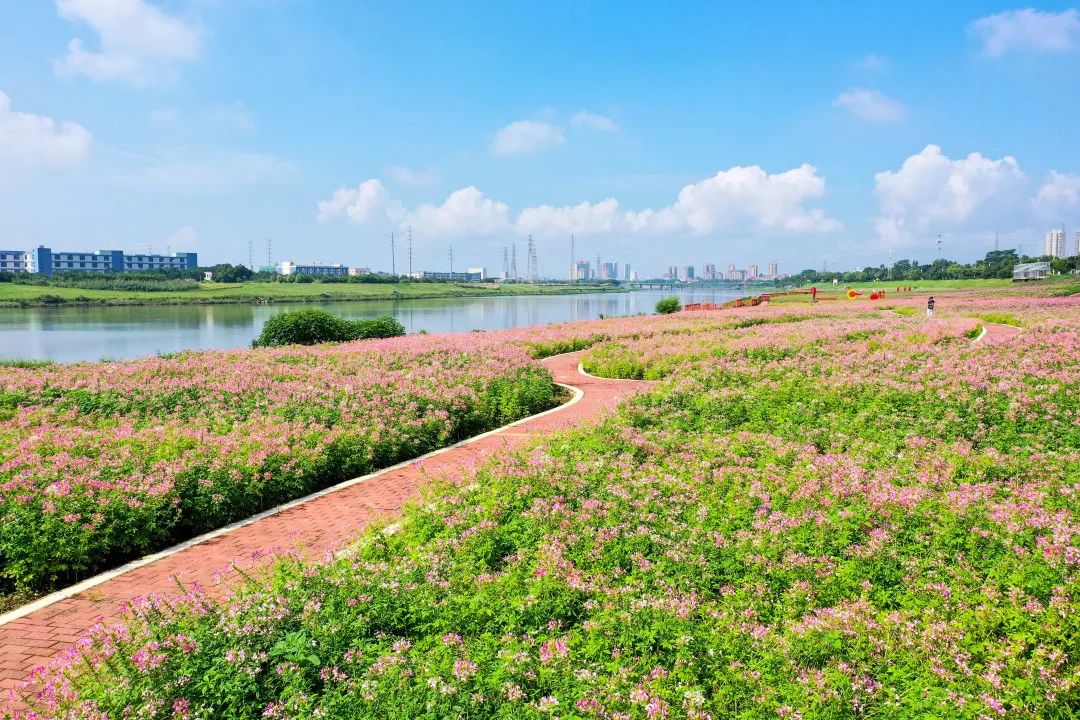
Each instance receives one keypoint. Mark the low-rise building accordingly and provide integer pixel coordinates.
(48, 261)
(452, 276)
(321, 269)
(1031, 271)
(13, 261)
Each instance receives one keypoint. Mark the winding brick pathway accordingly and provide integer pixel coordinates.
(319, 524)
(996, 332)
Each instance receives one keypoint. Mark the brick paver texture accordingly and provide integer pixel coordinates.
(318, 525)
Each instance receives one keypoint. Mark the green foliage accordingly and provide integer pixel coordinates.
(311, 326)
(668, 305)
(999, 318)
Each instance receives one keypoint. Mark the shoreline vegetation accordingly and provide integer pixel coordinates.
(18, 295)
(825, 510)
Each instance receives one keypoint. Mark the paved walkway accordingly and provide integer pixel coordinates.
(996, 332)
(320, 523)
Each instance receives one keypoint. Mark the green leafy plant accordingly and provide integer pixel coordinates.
(668, 305)
(311, 326)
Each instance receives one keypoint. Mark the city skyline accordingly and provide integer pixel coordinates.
(128, 124)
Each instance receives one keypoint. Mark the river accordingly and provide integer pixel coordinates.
(70, 334)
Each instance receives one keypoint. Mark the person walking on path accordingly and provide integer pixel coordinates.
(930, 308)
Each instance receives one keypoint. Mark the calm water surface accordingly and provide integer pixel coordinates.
(68, 334)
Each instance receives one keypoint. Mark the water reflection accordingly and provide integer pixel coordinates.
(67, 334)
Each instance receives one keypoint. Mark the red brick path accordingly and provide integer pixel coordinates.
(318, 524)
(996, 332)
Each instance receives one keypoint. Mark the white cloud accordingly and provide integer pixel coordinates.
(870, 105)
(1059, 194)
(739, 202)
(466, 212)
(524, 137)
(932, 193)
(584, 118)
(137, 41)
(409, 177)
(367, 202)
(29, 141)
(1027, 30)
(745, 201)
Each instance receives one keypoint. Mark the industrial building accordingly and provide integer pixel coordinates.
(320, 269)
(48, 261)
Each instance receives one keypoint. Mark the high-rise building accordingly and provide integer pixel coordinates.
(626, 271)
(1076, 250)
(740, 275)
(772, 271)
(672, 273)
(1054, 243)
(752, 271)
(708, 272)
(730, 274)
(688, 272)
(582, 270)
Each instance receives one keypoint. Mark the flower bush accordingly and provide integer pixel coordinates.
(839, 517)
(103, 462)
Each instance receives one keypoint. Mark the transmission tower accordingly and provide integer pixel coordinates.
(251, 260)
(269, 255)
(513, 261)
(995, 241)
(393, 257)
(939, 246)
(410, 251)
(531, 269)
(506, 263)
(451, 261)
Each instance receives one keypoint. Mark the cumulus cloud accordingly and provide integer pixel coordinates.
(138, 41)
(410, 177)
(30, 141)
(1027, 30)
(738, 202)
(525, 137)
(933, 193)
(465, 213)
(1059, 193)
(367, 202)
(870, 105)
(593, 121)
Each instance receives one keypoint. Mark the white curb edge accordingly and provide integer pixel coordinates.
(96, 580)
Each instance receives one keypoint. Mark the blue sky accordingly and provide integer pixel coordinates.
(681, 133)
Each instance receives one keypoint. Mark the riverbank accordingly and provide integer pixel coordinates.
(742, 525)
(260, 293)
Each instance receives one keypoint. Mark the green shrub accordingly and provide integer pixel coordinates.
(668, 305)
(311, 326)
